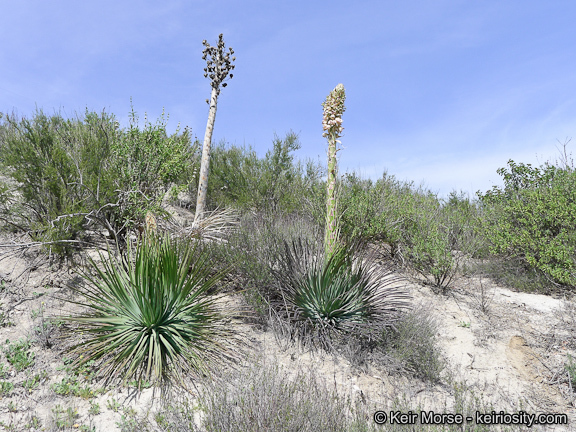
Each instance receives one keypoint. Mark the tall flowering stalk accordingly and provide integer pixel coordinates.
(219, 65)
(332, 125)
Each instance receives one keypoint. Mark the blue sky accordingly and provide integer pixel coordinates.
(440, 92)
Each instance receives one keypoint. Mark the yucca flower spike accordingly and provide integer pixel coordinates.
(332, 125)
(333, 110)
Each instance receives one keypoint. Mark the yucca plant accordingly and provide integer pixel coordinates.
(150, 314)
(338, 288)
(326, 297)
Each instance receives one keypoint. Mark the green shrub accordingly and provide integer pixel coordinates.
(411, 220)
(533, 218)
(428, 248)
(273, 184)
(147, 162)
(38, 157)
(68, 175)
(365, 213)
(233, 171)
(463, 219)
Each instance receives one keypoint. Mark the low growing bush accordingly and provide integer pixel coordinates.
(263, 397)
(70, 175)
(412, 346)
(409, 347)
(533, 218)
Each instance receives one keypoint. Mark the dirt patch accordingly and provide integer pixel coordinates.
(523, 359)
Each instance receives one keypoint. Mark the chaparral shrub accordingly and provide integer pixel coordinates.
(273, 184)
(533, 218)
(420, 231)
(63, 176)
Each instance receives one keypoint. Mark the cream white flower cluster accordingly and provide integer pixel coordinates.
(333, 110)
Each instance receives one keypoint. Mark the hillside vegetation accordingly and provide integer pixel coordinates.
(153, 306)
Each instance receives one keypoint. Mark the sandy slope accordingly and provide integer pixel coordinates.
(514, 351)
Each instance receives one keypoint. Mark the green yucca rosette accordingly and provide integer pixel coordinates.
(150, 315)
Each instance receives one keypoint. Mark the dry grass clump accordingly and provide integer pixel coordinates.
(410, 347)
(513, 273)
(263, 397)
(566, 316)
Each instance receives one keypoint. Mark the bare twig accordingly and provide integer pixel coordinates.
(483, 299)
(40, 243)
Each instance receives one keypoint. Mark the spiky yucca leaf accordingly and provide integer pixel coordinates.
(348, 290)
(150, 316)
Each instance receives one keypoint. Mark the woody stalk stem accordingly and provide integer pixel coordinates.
(219, 65)
(332, 125)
